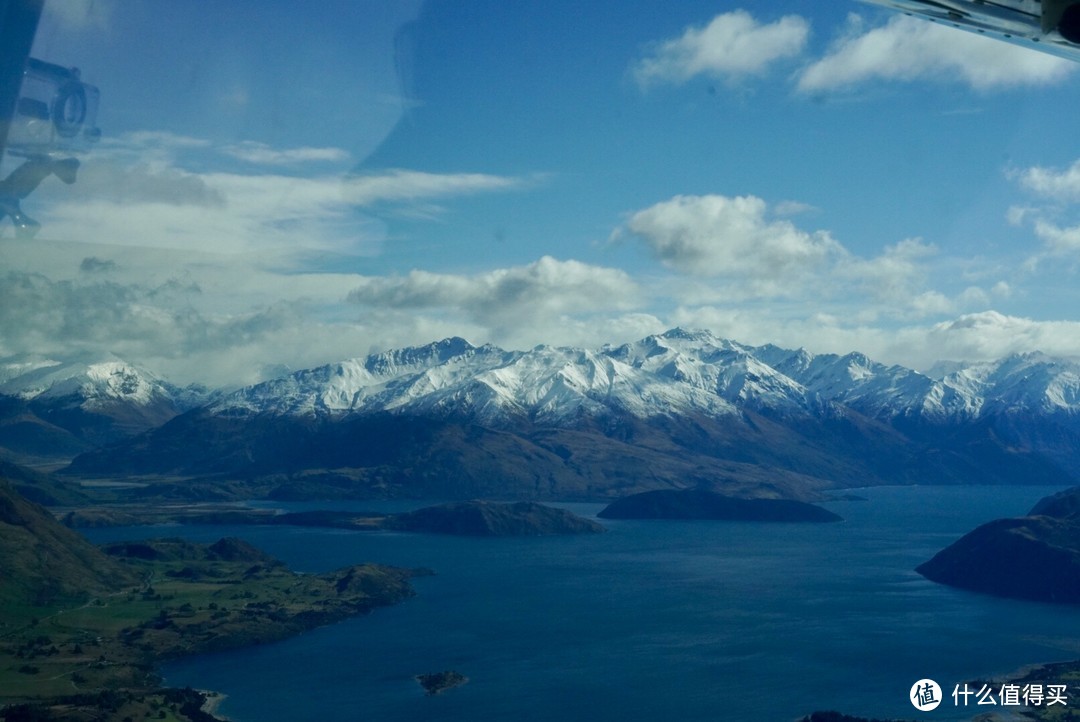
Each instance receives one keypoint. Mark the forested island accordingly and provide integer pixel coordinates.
(703, 504)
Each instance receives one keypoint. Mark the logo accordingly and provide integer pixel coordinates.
(925, 695)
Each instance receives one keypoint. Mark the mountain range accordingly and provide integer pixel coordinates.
(675, 410)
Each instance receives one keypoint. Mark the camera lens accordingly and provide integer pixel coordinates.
(69, 109)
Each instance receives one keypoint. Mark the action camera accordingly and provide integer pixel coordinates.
(55, 114)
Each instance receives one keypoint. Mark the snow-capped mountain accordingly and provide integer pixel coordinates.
(87, 384)
(680, 408)
(674, 373)
(453, 378)
(53, 407)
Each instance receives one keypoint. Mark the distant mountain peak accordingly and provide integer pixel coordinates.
(688, 334)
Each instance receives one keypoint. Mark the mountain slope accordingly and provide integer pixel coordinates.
(42, 561)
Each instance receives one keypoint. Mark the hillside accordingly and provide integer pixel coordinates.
(82, 629)
(42, 562)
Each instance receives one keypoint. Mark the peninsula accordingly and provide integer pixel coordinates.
(463, 518)
(82, 628)
(1045, 544)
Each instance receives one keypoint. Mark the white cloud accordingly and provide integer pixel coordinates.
(263, 154)
(895, 276)
(1058, 185)
(192, 317)
(991, 335)
(715, 235)
(794, 208)
(1057, 240)
(218, 212)
(509, 301)
(1017, 215)
(140, 190)
(1053, 221)
(548, 301)
(397, 185)
(736, 250)
(731, 46)
(982, 336)
(907, 49)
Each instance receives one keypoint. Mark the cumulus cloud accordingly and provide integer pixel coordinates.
(990, 335)
(1052, 217)
(542, 292)
(731, 46)
(715, 235)
(42, 315)
(225, 324)
(172, 326)
(1061, 185)
(894, 276)
(907, 49)
(737, 250)
(1058, 240)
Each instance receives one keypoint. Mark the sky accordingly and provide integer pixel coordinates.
(281, 185)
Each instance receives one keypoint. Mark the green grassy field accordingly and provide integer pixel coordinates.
(192, 599)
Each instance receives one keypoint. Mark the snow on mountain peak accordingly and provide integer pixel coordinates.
(676, 372)
(100, 381)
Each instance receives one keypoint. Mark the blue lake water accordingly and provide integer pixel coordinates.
(650, 621)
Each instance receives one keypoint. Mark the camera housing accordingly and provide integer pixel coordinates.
(55, 114)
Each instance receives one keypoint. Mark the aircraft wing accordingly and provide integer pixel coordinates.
(1052, 26)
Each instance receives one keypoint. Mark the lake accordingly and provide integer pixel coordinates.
(654, 620)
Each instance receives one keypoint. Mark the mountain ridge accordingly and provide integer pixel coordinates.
(682, 408)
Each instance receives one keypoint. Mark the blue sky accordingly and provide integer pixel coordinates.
(287, 185)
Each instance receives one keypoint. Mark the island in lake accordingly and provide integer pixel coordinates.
(702, 504)
(438, 682)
